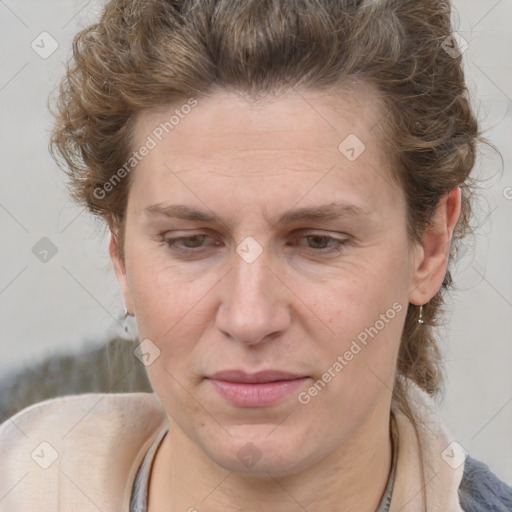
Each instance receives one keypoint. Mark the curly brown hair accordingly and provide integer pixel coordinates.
(143, 55)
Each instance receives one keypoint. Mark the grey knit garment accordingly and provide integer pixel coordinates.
(482, 491)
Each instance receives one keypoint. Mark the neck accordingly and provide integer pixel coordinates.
(352, 478)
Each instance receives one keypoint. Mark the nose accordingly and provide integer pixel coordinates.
(253, 307)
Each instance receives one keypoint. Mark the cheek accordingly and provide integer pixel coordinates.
(364, 342)
(355, 299)
(168, 306)
(170, 314)
(365, 315)
(160, 292)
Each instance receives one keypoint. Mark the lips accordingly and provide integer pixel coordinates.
(253, 378)
(259, 389)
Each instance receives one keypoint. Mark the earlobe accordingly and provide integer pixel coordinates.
(120, 270)
(434, 251)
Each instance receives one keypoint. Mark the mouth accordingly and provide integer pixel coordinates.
(259, 389)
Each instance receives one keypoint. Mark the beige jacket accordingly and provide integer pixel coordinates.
(81, 453)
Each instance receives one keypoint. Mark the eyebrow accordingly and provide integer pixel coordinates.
(326, 212)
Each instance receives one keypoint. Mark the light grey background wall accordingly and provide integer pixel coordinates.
(57, 289)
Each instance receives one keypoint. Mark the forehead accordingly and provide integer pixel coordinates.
(289, 141)
(294, 120)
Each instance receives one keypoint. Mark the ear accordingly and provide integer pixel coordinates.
(120, 270)
(434, 250)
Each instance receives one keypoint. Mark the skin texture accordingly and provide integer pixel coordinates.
(296, 308)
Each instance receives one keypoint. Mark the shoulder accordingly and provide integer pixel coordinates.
(481, 490)
(76, 450)
(69, 412)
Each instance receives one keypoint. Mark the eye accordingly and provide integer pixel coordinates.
(186, 243)
(320, 243)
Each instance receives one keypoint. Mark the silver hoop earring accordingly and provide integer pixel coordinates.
(420, 319)
(124, 319)
(126, 313)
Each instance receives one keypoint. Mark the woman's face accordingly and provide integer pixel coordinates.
(267, 238)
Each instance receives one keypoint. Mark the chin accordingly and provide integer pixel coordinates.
(258, 450)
